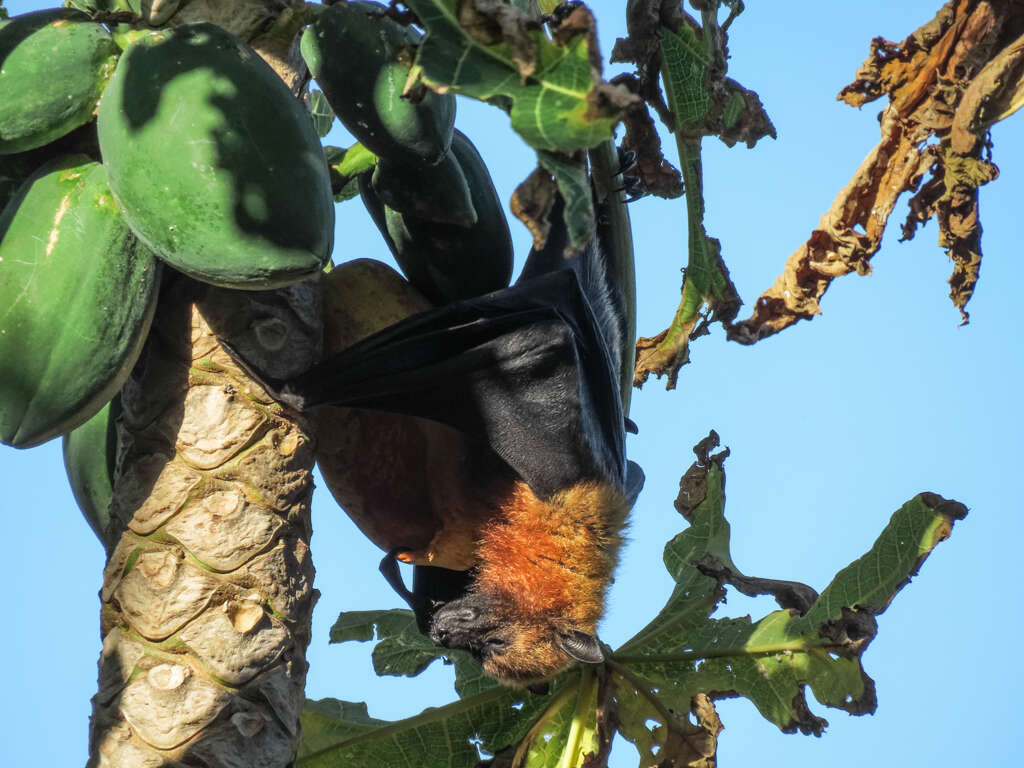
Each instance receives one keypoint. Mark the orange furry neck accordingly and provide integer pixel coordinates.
(553, 558)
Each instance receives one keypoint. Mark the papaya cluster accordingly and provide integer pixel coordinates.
(127, 151)
(429, 192)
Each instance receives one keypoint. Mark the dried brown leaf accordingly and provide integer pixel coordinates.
(494, 21)
(658, 175)
(664, 353)
(579, 21)
(987, 98)
(708, 296)
(642, 47)
(531, 203)
(947, 80)
(738, 115)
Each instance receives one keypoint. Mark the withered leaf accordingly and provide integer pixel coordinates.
(949, 80)
(531, 203)
(493, 21)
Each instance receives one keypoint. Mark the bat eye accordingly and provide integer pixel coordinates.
(495, 643)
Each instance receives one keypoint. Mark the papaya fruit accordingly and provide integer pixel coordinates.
(361, 60)
(77, 295)
(439, 192)
(90, 455)
(407, 483)
(447, 262)
(217, 167)
(54, 66)
(15, 169)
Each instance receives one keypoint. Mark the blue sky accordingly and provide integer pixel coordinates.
(833, 424)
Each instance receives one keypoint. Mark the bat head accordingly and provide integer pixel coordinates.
(516, 650)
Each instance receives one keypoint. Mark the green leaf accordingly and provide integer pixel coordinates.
(501, 716)
(685, 61)
(706, 281)
(555, 99)
(95, 6)
(323, 115)
(345, 166)
(573, 184)
(684, 652)
(871, 582)
(402, 650)
(340, 733)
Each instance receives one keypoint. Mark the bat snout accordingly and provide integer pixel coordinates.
(458, 624)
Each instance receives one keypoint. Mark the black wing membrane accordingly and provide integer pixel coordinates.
(525, 371)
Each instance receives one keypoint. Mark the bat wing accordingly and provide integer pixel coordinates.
(523, 370)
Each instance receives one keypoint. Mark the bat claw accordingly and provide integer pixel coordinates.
(389, 570)
(277, 389)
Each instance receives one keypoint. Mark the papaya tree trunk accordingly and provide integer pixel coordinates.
(208, 595)
(208, 592)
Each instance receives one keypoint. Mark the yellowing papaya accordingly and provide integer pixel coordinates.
(53, 67)
(361, 61)
(447, 261)
(216, 165)
(77, 294)
(90, 453)
(405, 482)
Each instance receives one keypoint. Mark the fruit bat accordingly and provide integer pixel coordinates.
(530, 376)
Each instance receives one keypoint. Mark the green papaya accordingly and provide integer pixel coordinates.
(217, 167)
(15, 169)
(447, 262)
(90, 454)
(361, 60)
(439, 192)
(54, 66)
(77, 295)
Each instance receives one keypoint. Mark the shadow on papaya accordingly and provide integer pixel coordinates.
(16, 168)
(217, 165)
(20, 28)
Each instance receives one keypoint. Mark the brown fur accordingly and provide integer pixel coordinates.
(544, 568)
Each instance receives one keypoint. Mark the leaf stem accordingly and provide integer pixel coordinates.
(798, 646)
(584, 692)
(553, 706)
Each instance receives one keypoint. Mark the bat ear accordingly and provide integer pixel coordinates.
(581, 646)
